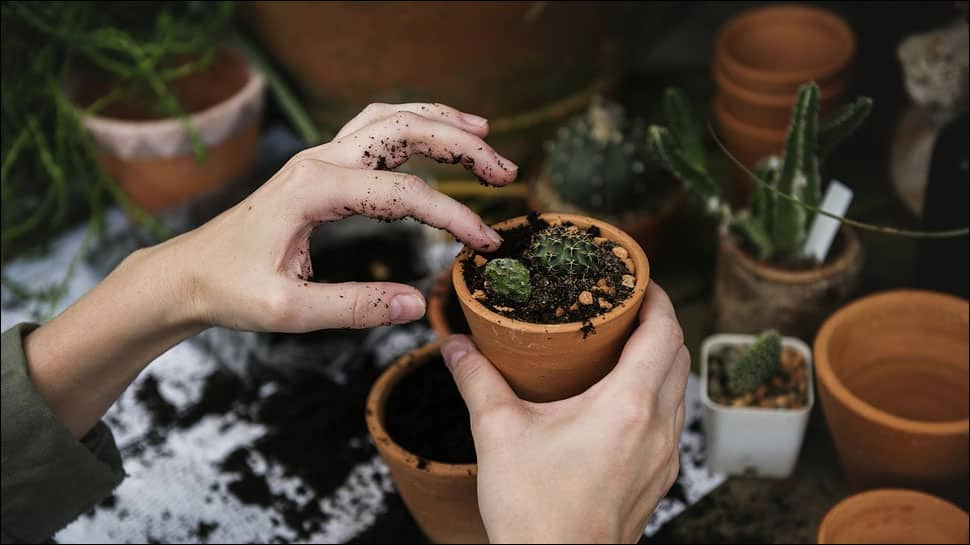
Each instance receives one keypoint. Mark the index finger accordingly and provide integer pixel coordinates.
(651, 351)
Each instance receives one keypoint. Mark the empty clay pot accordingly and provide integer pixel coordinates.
(748, 144)
(775, 49)
(893, 379)
(152, 160)
(443, 498)
(751, 296)
(894, 516)
(547, 362)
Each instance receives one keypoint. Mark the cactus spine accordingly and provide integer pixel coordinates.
(509, 280)
(564, 250)
(756, 365)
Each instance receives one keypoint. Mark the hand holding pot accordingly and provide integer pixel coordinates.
(588, 468)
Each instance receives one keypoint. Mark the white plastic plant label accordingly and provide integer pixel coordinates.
(836, 201)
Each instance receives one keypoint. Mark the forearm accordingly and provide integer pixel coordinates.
(83, 359)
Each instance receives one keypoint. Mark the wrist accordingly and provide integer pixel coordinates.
(174, 287)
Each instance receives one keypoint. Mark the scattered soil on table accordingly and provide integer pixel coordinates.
(555, 298)
(786, 390)
(427, 416)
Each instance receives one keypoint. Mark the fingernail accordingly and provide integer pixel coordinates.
(406, 308)
(473, 120)
(493, 237)
(454, 349)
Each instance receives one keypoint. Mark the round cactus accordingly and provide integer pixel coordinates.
(600, 163)
(508, 279)
(563, 250)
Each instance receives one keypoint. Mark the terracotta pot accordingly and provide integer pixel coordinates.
(554, 56)
(152, 159)
(775, 49)
(751, 296)
(894, 516)
(770, 111)
(649, 230)
(547, 362)
(443, 498)
(893, 379)
(444, 311)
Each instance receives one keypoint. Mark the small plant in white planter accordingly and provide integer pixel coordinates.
(757, 395)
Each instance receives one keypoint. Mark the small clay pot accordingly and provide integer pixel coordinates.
(751, 296)
(893, 380)
(894, 516)
(443, 498)
(548, 362)
(152, 160)
(444, 311)
(650, 230)
(775, 49)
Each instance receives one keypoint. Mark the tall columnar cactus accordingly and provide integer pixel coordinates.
(563, 250)
(786, 187)
(599, 162)
(756, 365)
(509, 280)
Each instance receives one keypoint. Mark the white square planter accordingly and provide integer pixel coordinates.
(756, 441)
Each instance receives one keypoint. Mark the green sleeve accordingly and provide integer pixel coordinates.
(49, 478)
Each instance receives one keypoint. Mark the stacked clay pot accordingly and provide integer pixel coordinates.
(761, 57)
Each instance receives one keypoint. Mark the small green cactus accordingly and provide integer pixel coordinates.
(509, 280)
(600, 162)
(775, 226)
(756, 365)
(563, 250)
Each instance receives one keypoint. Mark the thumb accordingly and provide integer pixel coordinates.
(480, 384)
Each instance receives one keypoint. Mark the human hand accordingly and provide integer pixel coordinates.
(588, 468)
(249, 267)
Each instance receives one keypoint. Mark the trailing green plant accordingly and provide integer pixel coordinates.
(509, 280)
(563, 250)
(757, 364)
(49, 177)
(786, 189)
(600, 162)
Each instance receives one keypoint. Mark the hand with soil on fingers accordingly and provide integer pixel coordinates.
(590, 468)
(249, 268)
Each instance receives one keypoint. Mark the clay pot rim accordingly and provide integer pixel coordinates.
(826, 374)
(832, 88)
(377, 405)
(851, 249)
(734, 339)
(874, 496)
(836, 26)
(748, 132)
(255, 83)
(607, 230)
(439, 294)
(671, 204)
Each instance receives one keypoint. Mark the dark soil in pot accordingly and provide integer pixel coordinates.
(427, 416)
(788, 389)
(556, 298)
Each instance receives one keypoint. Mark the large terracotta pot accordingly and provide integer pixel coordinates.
(443, 498)
(751, 296)
(894, 516)
(547, 362)
(152, 159)
(893, 378)
(525, 65)
(774, 49)
(650, 230)
(444, 311)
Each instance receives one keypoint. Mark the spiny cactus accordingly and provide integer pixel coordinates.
(509, 280)
(775, 225)
(600, 162)
(756, 365)
(563, 250)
